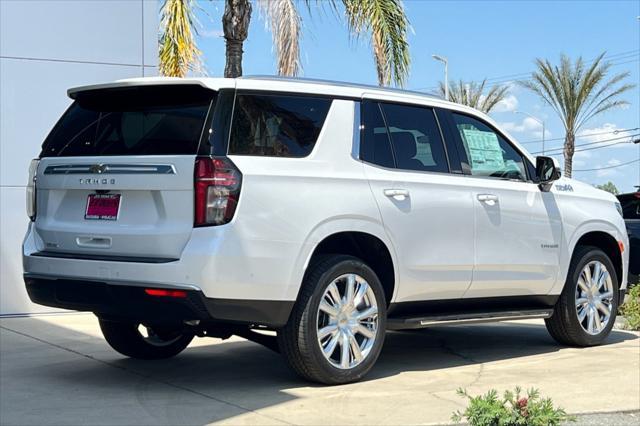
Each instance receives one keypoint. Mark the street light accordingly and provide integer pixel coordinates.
(446, 74)
(539, 121)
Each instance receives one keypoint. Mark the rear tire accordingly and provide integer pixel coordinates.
(339, 341)
(580, 314)
(159, 343)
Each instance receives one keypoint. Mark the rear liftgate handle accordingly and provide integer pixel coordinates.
(94, 242)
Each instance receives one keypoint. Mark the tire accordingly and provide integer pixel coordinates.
(298, 340)
(160, 343)
(565, 325)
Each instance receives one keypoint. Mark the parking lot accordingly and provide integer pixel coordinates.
(58, 370)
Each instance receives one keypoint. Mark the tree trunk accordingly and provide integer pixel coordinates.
(569, 148)
(235, 24)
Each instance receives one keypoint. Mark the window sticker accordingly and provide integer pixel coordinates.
(485, 153)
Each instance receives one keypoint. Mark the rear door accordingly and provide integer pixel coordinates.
(116, 173)
(426, 210)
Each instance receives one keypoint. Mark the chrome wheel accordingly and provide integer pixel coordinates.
(347, 322)
(594, 297)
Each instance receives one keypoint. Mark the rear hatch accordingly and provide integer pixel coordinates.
(116, 173)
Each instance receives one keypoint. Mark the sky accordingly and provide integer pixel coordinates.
(497, 40)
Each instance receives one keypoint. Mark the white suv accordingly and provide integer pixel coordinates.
(328, 213)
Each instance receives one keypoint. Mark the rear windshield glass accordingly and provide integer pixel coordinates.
(150, 120)
(276, 125)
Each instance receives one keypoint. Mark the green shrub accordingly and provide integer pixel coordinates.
(631, 308)
(512, 409)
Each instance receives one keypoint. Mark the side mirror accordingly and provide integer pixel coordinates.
(547, 170)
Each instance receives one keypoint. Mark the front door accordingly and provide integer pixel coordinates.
(517, 226)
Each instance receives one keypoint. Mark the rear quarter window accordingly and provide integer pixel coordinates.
(276, 125)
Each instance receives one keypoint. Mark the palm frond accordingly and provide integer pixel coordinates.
(178, 52)
(472, 94)
(285, 24)
(388, 24)
(493, 97)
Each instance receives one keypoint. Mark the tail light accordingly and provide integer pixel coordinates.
(31, 189)
(217, 189)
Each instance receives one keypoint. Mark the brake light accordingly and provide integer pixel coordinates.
(165, 293)
(217, 184)
(31, 189)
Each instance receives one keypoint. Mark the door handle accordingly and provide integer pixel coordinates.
(397, 194)
(488, 198)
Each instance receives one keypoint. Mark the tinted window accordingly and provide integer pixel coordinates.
(415, 137)
(489, 153)
(276, 125)
(131, 121)
(375, 146)
(630, 205)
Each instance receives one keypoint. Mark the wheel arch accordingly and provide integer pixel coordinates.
(608, 244)
(366, 241)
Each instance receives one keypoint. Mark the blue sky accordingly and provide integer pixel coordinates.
(498, 40)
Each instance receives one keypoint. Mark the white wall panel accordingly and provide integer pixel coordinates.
(71, 30)
(151, 27)
(13, 224)
(46, 47)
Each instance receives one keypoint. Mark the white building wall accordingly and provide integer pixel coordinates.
(46, 47)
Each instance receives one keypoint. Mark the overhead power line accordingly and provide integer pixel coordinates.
(608, 167)
(581, 136)
(614, 59)
(618, 139)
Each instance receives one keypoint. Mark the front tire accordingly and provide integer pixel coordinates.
(137, 341)
(586, 310)
(336, 329)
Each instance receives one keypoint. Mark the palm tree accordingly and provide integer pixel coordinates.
(472, 94)
(383, 20)
(577, 93)
(178, 51)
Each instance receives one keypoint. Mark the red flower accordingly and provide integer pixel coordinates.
(521, 404)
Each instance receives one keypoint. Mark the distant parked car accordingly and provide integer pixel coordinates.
(631, 212)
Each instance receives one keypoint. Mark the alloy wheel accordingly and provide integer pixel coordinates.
(594, 297)
(347, 321)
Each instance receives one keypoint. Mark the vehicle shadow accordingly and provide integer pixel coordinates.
(240, 366)
(228, 379)
(436, 348)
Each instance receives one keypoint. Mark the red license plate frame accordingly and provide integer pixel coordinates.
(103, 207)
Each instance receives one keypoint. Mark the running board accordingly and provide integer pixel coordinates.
(474, 318)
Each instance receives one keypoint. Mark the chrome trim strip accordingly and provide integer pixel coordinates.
(503, 316)
(113, 169)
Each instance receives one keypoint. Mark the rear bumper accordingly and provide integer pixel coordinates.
(129, 301)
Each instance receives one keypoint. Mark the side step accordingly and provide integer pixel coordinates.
(472, 318)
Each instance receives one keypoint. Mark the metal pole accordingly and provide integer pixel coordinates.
(446, 74)
(446, 80)
(543, 132)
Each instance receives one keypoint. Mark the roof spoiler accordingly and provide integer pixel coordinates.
(165, 81)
